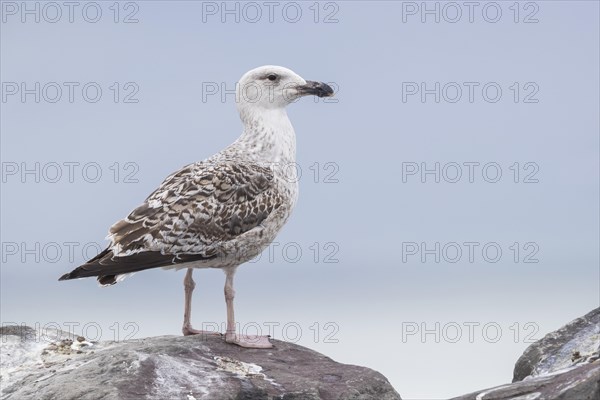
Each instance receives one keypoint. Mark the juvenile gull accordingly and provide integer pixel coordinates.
(220, 212)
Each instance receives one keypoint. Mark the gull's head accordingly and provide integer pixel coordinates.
(272, 87)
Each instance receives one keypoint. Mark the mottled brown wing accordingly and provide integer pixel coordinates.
(198, 207)
(188, 218)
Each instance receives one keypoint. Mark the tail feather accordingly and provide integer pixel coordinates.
(85, 271)
(109, 269)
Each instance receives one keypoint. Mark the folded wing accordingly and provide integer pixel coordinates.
(188, 218)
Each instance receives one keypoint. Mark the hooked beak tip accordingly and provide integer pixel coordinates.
(319, 89)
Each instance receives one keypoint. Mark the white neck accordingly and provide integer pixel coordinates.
(268, 136)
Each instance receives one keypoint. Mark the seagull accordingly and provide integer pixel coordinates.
(220, 212)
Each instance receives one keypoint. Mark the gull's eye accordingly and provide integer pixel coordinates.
(272, 77)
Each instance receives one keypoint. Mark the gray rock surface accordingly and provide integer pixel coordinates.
(576, 343)
(582, 383)
(63, 366)
(563, 365)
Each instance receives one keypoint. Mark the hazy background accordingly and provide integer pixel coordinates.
(357, 290)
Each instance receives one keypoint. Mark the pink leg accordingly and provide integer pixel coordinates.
(189, 285)
(251, 341)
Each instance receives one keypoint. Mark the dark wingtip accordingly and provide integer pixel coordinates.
(65, 277)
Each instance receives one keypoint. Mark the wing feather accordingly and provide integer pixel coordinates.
(188, 218)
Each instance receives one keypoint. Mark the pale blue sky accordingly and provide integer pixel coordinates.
(368, 221)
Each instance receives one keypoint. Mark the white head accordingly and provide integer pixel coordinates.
(273, 87)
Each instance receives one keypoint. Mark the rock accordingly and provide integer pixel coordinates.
(563, 365)
(23, 348)
(175, 367)
(578, 342)
(581, 383)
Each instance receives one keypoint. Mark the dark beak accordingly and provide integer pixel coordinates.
(316, 88)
